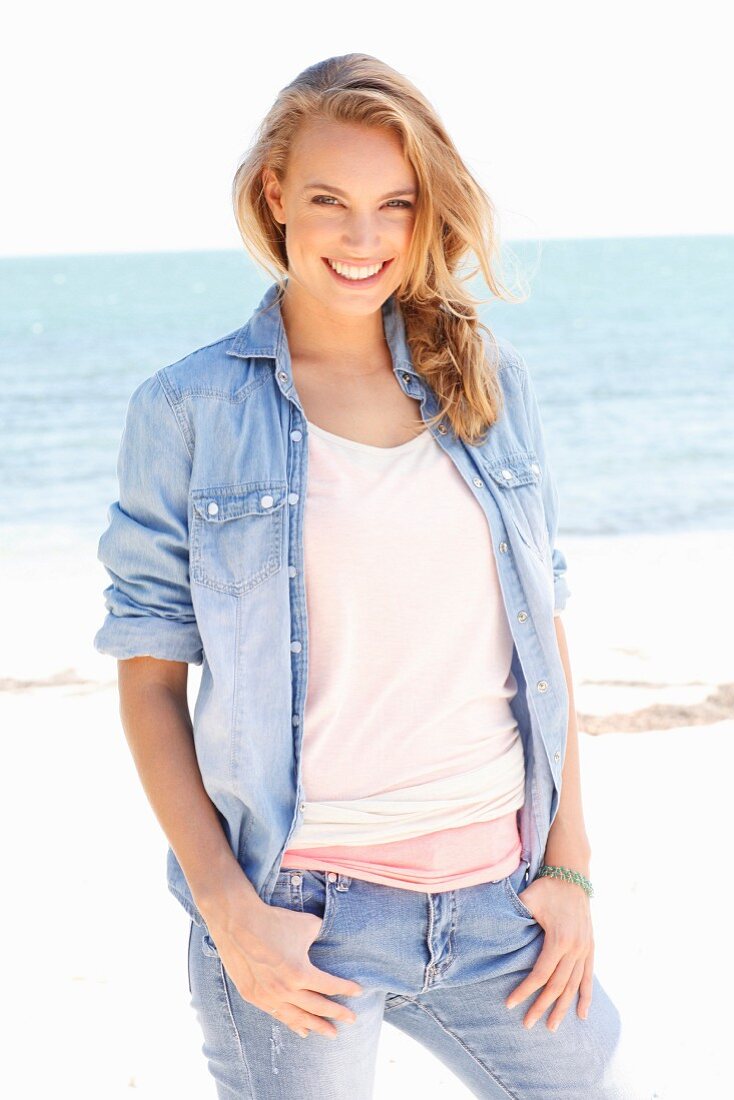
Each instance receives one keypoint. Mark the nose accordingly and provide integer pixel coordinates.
(361, 235)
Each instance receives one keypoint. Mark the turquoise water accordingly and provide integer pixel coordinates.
(630, 342)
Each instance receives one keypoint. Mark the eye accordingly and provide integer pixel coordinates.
(326, 200)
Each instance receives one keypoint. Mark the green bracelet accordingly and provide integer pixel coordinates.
(549, 871)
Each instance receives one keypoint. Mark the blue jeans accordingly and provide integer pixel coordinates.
(438, 967)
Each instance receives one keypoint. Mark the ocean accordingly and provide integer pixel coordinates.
(630, 342)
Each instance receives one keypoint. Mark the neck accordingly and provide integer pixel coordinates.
(317, 333)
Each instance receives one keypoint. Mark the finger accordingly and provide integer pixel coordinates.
(586, 987)
(323, 982)
(322, 1006)
(303, 1022)
(288, 1009)
(567, 996)
(304, 1005)
(552, 990)
(545, 965)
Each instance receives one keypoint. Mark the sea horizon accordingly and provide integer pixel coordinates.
(629, 342)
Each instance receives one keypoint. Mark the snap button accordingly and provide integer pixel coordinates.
(535, 468)
(478, 481)
(266, 501)
(406, 377)
(295, 720)
(295, 880)
(291, 570)
(542, 685)
(282, 376)
(333, 876)
(503, 548)
(556, 756)
(442, 428)
(292, 498)
(507, 474)
(522, 616)
(302, 807)
(295, 647)
(212, 507)
(296, 435)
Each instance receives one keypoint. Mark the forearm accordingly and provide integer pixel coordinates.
(568, 844)
(158, 729)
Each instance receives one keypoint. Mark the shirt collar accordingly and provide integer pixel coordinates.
(263, 336)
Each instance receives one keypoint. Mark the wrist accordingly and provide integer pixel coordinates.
(228, 893)
(577, 859)
(568, 846)
(567, 874)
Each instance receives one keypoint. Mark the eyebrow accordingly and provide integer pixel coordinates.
(337, 191)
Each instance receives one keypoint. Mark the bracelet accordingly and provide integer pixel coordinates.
(549, 871)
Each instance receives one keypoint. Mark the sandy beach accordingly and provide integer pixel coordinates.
(95, 941)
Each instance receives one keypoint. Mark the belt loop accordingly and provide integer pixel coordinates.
(343, 882)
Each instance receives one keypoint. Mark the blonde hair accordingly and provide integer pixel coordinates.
(454, 216)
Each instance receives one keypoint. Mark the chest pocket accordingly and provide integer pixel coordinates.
(519, 476)
(236, 538)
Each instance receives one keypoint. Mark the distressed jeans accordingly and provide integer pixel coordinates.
(437, 966)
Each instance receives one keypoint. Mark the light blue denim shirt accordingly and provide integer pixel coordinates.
(205, 552)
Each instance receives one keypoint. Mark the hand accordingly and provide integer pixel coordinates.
(565, 963)
(266, 956)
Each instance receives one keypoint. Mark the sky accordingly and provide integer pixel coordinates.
(124, 124)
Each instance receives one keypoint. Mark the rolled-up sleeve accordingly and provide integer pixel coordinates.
(549, 492)
(145, 547)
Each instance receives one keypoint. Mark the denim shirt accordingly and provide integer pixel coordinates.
(205, 552)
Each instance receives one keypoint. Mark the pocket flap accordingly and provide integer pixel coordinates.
(520, 468)
(219, 504)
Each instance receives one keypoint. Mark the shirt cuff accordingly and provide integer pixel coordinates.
(149, 636)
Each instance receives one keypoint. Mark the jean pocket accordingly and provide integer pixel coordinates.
(515, 900)
(305, 891)
(208, 946)
(236, 537)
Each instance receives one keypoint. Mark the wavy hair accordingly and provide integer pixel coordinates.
(454, 218)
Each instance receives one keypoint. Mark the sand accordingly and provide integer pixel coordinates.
(95, 946)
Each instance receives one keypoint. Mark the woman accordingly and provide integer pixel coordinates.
(344, 511)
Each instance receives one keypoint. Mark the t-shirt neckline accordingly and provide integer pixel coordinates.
(354, 444)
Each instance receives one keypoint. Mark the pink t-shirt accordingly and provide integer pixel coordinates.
(413, 765)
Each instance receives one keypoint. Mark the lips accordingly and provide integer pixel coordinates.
(357, 282)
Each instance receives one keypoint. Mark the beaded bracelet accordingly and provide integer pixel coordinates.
(549, 871)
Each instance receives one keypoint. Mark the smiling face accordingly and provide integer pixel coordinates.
(348, 203)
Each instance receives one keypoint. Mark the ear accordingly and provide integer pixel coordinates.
(273, 193)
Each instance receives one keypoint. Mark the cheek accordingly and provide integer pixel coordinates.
(308, 236)
(404, 237)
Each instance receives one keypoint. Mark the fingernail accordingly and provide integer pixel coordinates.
(553, 1027)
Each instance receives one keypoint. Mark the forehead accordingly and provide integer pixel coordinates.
(349, 155)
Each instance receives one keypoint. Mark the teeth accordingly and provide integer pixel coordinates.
(355, 272)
